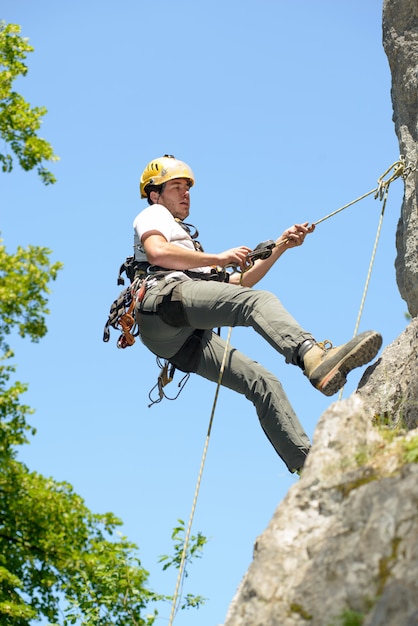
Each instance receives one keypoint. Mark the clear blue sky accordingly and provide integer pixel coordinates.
(283, 111)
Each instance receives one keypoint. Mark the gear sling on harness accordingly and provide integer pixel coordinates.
(169, 309)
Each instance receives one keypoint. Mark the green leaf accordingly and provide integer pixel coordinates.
(19, 122)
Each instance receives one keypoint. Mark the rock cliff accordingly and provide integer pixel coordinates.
(400, 41)
(342, 547)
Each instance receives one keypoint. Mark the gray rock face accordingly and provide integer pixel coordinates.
(400, 41)
(344, 542)
(390, 387)
(342, 547)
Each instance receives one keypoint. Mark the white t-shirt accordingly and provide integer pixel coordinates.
(157, 218)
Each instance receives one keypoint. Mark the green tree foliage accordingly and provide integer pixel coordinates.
(56, 554)
(57, 559)
(24, 279)
(187, 553)
(19, 123)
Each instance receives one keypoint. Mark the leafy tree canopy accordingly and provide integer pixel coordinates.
(55, 555)
(58, 560)
(24, 279)
(19, 123)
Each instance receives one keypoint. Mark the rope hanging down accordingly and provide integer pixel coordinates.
(398, 170)
(181, 573)
(381, 192)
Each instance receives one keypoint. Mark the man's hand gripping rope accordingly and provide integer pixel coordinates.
(293, 237)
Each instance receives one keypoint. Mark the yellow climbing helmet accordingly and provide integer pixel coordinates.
(161, 170)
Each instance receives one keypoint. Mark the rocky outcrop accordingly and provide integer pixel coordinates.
(390, 386)
(400, 40)
(342, 547)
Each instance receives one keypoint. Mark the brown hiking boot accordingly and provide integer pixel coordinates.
(327, 367)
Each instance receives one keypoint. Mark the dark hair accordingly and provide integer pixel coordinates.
(149, 188)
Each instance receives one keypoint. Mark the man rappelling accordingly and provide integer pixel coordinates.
(186, 292)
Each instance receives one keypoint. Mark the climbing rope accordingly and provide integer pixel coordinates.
(398, 169)
(181, 573)
(372, 259)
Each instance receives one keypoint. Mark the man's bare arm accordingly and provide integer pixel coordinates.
(290, 238)
(161, 252)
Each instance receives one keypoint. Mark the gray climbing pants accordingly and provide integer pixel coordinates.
(210, 304)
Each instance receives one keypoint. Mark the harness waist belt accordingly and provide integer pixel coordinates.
(217, 275)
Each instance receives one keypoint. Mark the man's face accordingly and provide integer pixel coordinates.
(176, 197)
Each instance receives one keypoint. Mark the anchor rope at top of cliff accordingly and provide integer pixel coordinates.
(398, 169)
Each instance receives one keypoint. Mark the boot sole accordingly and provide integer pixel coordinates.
(357, 352)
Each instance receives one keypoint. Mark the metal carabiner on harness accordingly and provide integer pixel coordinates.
(165, 377)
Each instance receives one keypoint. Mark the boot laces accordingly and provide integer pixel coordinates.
(325, 345)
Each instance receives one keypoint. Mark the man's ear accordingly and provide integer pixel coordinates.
(154, 195)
